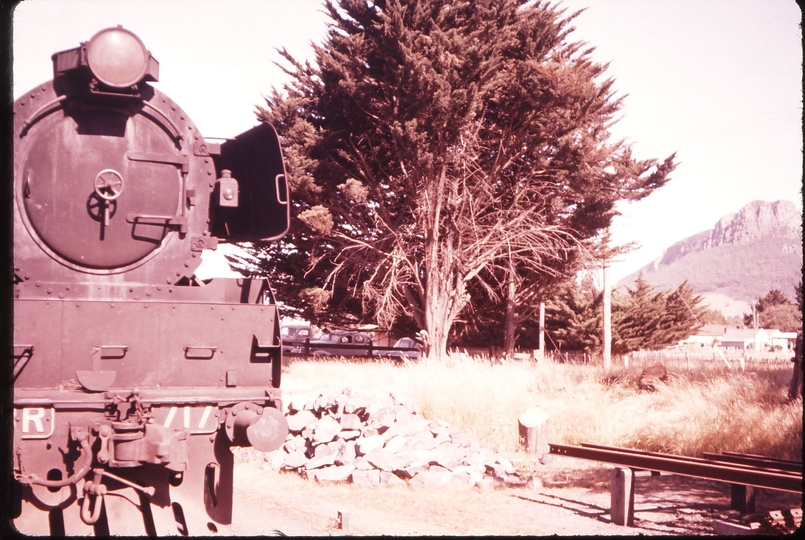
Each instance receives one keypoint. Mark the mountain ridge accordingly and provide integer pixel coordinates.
(745, 254)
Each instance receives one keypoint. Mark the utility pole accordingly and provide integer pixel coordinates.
(541, 331)
(607, 320)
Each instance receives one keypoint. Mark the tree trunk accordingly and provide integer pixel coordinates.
(446, 298)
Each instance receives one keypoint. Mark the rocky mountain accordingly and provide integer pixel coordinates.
(741, 258)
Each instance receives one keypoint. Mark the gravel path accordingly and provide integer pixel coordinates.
(573, 500)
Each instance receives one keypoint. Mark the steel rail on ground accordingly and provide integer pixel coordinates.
(755, 460)
(731, 459)
(686, 466)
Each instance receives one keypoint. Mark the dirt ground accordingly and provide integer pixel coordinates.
(574, 499)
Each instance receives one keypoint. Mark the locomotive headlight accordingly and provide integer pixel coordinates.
(117, 57)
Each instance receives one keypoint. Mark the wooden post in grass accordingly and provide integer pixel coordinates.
(621, 496)
(742, 498)
(534, 431)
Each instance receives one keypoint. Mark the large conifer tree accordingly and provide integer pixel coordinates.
(434, 144)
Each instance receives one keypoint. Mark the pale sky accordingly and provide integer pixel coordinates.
(717, 81)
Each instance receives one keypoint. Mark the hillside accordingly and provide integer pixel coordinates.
(745, 255)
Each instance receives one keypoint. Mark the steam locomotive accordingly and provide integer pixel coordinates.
(132, 377)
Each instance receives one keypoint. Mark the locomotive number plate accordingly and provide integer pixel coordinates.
(34, 422)
(193, 419)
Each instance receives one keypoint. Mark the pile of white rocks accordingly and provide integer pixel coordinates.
(370, 442)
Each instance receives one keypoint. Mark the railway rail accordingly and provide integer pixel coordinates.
(743, 471)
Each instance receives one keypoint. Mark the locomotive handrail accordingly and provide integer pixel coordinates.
(277, 185)
(163, 119)
(45, 109)
(22, 355)
(194, 352)
(167, 159)
(169, 221)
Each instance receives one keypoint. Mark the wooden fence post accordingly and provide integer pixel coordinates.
(742, 498)
(534, 431)
(621, 496)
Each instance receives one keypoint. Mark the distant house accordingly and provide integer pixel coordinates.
(783, 341)
(706, 336)
(744, 338)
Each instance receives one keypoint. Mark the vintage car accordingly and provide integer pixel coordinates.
(294, 335)
(409, 348)
(338, 343)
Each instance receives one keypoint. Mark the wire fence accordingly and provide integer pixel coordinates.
(740, 359)
(678, 360)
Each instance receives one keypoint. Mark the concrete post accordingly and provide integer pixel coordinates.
(621, 492)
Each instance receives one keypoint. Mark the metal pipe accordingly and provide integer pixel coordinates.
(81, 473)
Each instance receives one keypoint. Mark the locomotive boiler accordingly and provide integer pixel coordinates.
(132, 377)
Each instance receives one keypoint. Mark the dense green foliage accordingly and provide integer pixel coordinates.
(776, 311)
(439, 151)
(642, 319)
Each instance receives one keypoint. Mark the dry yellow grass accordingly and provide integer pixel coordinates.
(709, 410)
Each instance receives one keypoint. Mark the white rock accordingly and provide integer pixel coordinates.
(390, 479)
(299, 421)
(368, 478)
(295, 460)
(350, 421)
(325, 429)
(349, 434)
(395, 444)
(368, 444)
(333, 474)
